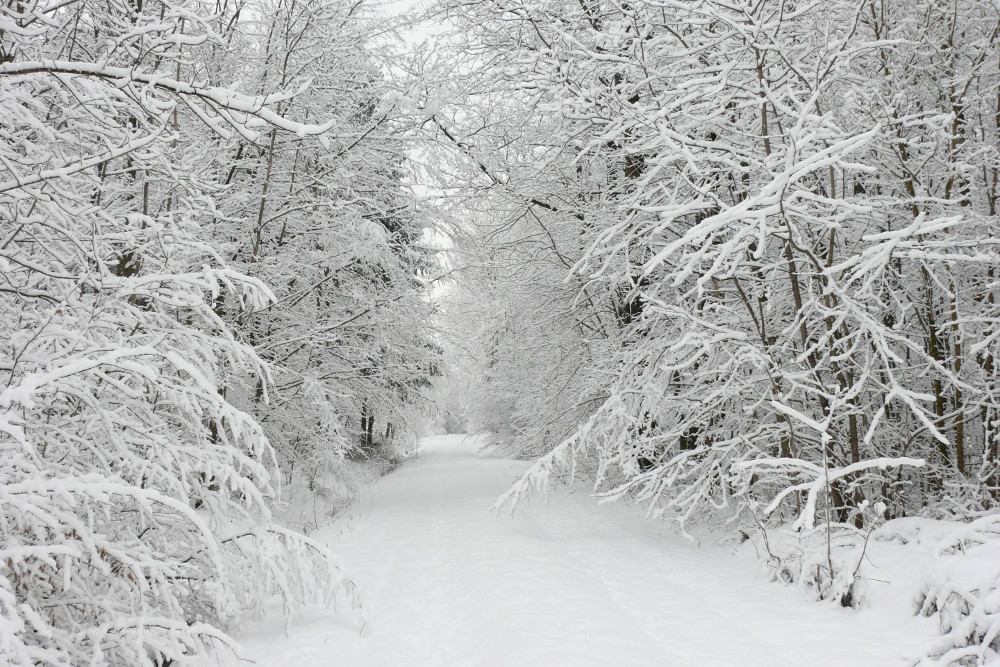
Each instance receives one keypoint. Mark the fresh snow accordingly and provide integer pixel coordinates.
(444, 580)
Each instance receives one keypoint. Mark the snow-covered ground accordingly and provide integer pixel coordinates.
(446, 582)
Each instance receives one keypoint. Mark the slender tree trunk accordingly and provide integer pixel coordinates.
(367, 428)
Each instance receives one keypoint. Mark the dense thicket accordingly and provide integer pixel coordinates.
(331, 229)
(744, 254)
(207, 268)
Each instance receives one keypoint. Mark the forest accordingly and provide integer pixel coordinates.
(734, 261)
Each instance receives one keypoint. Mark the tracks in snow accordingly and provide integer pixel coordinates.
(446, 582)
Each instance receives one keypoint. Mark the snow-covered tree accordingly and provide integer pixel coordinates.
(134, 494)
(786, 208)
(332, 230)
(783, 217)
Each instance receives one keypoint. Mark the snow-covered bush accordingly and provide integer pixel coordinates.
(824, 564)
(962, 590)
(946, 570)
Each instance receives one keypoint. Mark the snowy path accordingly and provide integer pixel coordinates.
(445, 582)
